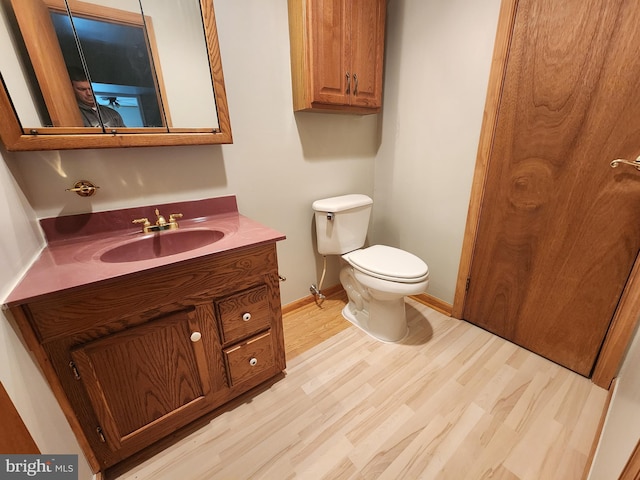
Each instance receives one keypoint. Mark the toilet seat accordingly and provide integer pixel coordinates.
(389, 263)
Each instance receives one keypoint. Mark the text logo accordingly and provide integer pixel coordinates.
(38, 467)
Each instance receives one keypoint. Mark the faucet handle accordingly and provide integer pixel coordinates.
(172, 220)
(146, 225)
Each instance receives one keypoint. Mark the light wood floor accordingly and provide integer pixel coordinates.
(451, 402)
(312, 324)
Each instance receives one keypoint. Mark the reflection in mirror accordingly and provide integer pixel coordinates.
(187, 89)
(152, 62)
(117, 63)
(112, 45)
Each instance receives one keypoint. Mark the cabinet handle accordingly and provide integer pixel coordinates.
(348, 82)
(101, 434)
(246, 317)
(355, 87)
(253, 362)
(195, 336)
(74, 370)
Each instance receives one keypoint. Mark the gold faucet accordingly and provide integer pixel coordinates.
(161, 223)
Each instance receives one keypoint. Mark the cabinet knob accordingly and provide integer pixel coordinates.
(246, 317)
(253, 362)
(195, 336)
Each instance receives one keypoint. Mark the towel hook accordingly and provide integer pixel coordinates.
(84, 188)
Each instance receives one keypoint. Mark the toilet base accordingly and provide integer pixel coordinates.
(389, 321)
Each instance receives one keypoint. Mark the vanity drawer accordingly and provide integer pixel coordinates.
(249, 358)
(244, 313)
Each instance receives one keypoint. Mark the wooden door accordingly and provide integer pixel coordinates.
(149, 380)
(367, 52)
(14, 436)
(330, 39)
(559, 229)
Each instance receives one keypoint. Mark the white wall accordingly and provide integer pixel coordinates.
(437, 68)
(20, 242)
(622, 426)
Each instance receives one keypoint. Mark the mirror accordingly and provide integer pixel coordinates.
(118, 71)
(110, 73)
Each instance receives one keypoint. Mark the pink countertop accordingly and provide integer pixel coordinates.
(75, 244)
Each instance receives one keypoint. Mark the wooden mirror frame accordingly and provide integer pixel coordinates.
(16, 138)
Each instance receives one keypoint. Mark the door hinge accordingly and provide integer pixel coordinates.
(466, 287)
(101, 434)
(74, 369)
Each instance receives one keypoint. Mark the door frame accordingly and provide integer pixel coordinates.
(625, 318)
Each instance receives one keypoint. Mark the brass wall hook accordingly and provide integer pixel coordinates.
(84, 188)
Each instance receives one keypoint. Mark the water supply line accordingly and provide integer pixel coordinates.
(317, 291)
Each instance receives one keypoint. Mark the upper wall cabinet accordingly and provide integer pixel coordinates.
(337, 54)
(106, 73)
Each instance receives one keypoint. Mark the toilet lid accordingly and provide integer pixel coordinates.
(389, 263)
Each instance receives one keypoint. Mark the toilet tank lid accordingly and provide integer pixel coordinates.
(343, 202)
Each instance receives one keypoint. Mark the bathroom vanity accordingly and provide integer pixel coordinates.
(138, 339)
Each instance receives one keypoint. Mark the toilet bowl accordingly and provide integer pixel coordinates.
(376, 278)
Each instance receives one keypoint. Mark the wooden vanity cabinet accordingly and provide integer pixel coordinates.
(337, 54)
(134, 359)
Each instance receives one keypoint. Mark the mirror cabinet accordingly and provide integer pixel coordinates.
(110, 73)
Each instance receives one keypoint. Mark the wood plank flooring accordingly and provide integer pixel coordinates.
(451, 402)
(312, 324)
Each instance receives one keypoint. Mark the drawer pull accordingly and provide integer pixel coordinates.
(246, 317)
(195, 336)
(253, 362)
(74, 369)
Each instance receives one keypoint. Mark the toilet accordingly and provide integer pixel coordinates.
(376, 278)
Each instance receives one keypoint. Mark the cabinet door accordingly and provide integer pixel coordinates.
(148, 380)
(367, 19)
(330, 62)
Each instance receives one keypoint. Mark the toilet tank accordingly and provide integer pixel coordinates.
(342, 223)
